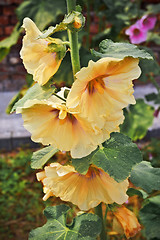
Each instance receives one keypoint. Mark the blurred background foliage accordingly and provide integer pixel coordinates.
(20, 203)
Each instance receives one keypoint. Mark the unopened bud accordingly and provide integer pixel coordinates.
(74, 21)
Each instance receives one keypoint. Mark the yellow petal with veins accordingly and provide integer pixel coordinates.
(85, 191)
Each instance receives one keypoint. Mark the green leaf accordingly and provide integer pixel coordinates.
(40, 157)
(51, 30)
(64, 75)
(29, 79)
(121, 12)
(151, 97)
(153, 9)
(117, 157)
(35, 92)
(21, 93)
(120, 50)
(138, 118)
(150, 217)
(82, 164)
(153, 37)
(7, 43)
(132, 191)
(86, 226)
(67, 23)
(41, 12)
(13, 101)
(145, 176)
(3, 53)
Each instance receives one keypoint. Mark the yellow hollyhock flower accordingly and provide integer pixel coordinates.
(85, 191)
(125, 222)
(39, 57)
(104, 88)
(51, 122)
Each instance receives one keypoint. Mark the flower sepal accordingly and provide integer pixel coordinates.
(57, 46)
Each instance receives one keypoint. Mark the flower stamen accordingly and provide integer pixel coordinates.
(96, 84)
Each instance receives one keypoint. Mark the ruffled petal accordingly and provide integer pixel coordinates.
(104, 87)
(37, 60)
(51, 122)
(85, 191)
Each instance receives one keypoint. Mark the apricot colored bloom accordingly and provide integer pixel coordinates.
(51, 122)
(38, 57)
(148, 22)
(104, 88)
(125, 222)
(85, 191)
(137, 34)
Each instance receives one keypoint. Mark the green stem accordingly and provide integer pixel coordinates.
(105, 216)
(73, 38)
(98, 211)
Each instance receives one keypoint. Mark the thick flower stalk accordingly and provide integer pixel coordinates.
(41, 57)
(104, 88)
(125, 222)
(85, 191)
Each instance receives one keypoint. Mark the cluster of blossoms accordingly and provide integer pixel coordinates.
(138, 31)
(79, 123)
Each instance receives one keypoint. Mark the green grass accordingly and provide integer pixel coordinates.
(21, 204)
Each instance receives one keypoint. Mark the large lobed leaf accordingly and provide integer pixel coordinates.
(35, 92)
(86, 226)
(150, 217)
(138, 118)
(145, 176)
(108, 48)
(117, 157)
(40, 157)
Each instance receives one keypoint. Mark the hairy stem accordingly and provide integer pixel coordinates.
(73, 38)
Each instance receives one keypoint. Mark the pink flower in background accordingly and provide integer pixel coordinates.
(137, 34)
(148, 22)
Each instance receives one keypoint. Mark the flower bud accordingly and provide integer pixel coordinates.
(74, 21)
(125, 222)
